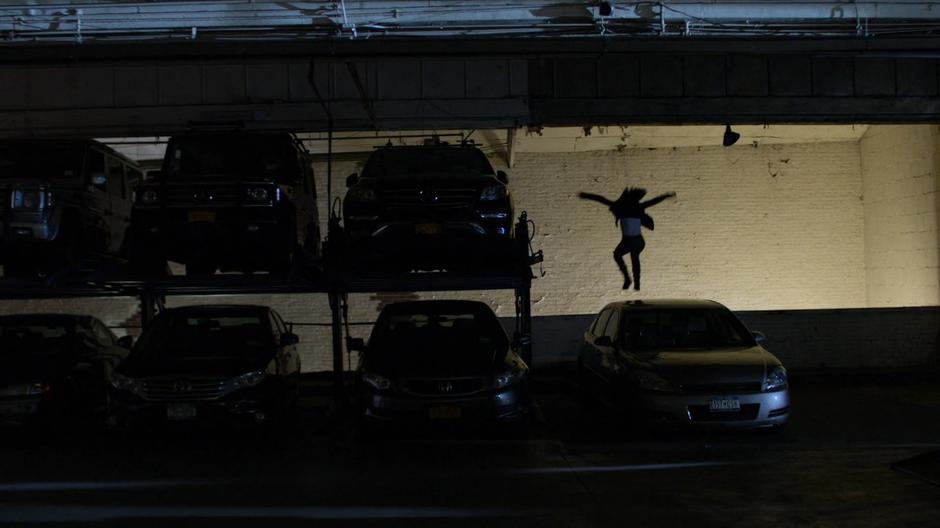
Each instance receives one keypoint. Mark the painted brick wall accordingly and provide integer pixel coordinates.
(902, 214)
(753, 227)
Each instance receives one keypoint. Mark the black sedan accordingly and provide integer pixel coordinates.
(54, 368)
(228, 364)
(440, 361)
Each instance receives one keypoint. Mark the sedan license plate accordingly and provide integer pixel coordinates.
(444, 412)
(429, 229)
(732, 404)
(201, 216)
(181, 412)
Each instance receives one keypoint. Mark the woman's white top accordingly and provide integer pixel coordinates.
(630, 226)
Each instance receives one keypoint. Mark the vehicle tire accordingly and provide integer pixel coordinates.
(20, 266)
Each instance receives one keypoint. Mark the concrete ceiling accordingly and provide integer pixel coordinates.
(552, 139)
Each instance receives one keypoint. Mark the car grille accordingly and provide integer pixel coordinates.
(700, 413)
(202, 195)
(444, 387)
(424, 197)
(721, 388)
(183, 389)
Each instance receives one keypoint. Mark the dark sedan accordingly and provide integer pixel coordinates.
(54, 368)
(441, 361)
(684, 362)
(227, 364)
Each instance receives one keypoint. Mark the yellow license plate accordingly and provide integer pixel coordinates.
(429, 229)
(444, 412)
(201, 216)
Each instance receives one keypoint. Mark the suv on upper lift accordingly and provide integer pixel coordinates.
(231, 200)
(61, 200)
(430, 201)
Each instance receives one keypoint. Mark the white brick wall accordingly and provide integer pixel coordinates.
(902, 214)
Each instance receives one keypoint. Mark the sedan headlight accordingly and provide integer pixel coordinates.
(27, 199)
(124, 383)
(376, 380)
(362, 194)
(258, 194)
(776, 380)
(249, 379)
(653, 382)
(510, 377)
(493, 192)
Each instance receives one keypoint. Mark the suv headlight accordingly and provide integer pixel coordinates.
(362, 194)
(776, 380)
(376, 380)
(248, 379)
(510, 377)
(27, 199)
(148, 196)
(122, 382)
(258, 194)
(493, 192)
(653, 382)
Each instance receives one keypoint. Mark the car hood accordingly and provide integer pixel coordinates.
(439, 362)
(191, 367)
(712, 366)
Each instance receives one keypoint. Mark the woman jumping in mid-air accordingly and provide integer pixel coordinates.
(630, 213)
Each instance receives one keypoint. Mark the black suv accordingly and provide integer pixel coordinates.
(239, 201)
(440, 361)
(435, 202)
(222, 364)
(61, 200)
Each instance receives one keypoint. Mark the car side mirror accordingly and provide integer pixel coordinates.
(125, 342)
(355, 344)
(604, 341)
(502, 177)
(351, 180)
(759, 337)
(288, 339)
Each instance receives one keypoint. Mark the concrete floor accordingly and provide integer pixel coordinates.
(578, 467)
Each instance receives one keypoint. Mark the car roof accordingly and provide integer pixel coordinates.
(46, 318)
(665, 304)
(218, 309)
(432, 306)
(85, 142)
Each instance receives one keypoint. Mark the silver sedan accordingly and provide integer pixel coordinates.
(684, 363)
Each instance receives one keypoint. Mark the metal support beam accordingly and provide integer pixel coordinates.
(339, 386)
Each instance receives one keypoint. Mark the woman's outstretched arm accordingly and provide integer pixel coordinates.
(654, 201)
(595, 198)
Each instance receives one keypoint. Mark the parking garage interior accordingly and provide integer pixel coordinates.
(819, 227)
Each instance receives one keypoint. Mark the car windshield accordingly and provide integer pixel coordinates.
(418, 337)
(683, 328)
(405, 162)
(40, 160)
(195, 337)
(243, 156)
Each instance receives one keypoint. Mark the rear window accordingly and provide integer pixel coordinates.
(40, 160)
(243, 156)
(392, 162)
